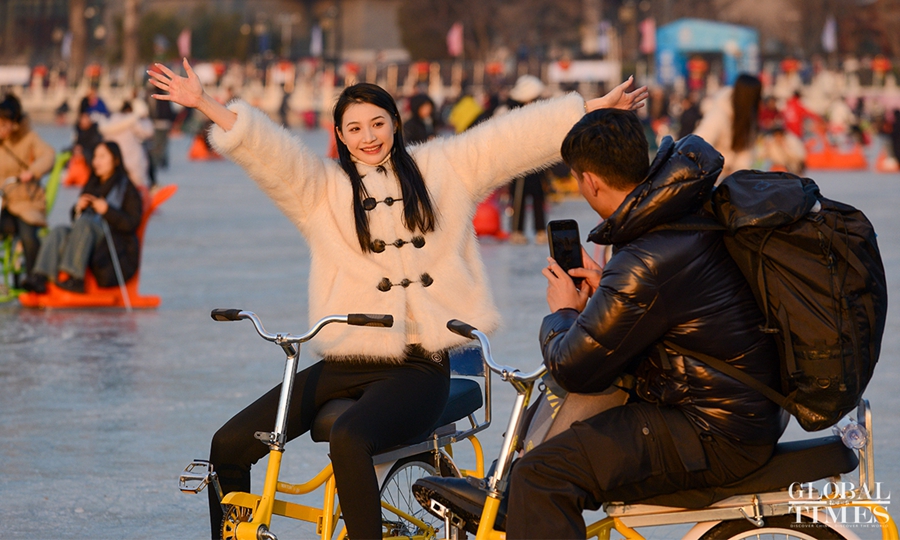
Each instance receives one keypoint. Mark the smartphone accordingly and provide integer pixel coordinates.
(565, 245)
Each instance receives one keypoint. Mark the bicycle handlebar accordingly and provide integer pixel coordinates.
(355, 319)
(363, 319)
(506, 373)
(225, 314)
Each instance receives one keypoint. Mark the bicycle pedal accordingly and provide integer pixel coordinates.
(448, 516)
(194, 481)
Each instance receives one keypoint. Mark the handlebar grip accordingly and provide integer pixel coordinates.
(362, 319)
(220, 314)
(461, 328)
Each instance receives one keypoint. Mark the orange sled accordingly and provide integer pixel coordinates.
(103, 297)
(821, 154)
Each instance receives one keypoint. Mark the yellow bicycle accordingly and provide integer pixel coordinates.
(248, 516)
(779, 500)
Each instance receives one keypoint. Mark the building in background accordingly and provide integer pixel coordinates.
(91, 32)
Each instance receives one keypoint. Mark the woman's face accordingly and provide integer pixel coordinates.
(368, 132)
(426, 110)
(7, 127)
(84, 121)
(103, 162)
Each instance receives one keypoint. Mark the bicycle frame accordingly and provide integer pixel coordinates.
(261, 508)
(624, 518)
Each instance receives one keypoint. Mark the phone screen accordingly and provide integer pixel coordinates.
(565, 245)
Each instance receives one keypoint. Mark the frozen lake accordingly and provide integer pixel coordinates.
(100, 410)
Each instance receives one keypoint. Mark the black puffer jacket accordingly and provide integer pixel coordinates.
(677, 286)
(123, 224)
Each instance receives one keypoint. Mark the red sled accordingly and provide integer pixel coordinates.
(103, 297)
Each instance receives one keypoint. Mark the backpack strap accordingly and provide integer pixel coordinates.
(843, 248)
(731, 371)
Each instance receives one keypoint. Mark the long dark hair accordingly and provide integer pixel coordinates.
(745, 104)
(418, 212)
(119, 168)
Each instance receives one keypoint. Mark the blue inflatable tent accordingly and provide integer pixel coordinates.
(677, 41)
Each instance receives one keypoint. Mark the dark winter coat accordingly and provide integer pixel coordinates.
(673, 285)
(123, 224)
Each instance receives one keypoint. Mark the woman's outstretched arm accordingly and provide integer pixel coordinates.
(528, 138)
(188, 92)
(291, 174)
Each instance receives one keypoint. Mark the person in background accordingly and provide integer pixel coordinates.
(68, 251)
(129, 128)
(769, 115)
(795, 115)
(87, 136)
(731, 123)
(690, 115)
(24, 159)
(840, 121)
(533, 185)
(93, 103)
(162, 116)
(895, 134)
(423, 123)
(784, 151)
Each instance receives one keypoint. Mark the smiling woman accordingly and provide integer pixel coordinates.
(417, 261)
(369, 131)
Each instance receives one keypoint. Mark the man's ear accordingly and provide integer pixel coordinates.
(591, 182)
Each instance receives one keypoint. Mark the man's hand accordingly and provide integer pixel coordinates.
(561, 291)
(26, 176)
(618, 98)
(591, 273)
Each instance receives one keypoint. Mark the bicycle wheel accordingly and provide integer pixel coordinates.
(776, 527)
(397, 492)
(233, 516)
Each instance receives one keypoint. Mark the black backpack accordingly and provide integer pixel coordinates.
(817, 275)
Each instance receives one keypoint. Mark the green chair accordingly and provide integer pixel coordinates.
(10, 259)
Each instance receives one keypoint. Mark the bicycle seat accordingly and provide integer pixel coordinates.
(795, 461)
(465, 398)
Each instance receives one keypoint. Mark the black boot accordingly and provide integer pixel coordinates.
(36, 283)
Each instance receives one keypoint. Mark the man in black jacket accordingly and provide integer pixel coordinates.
(685, 425)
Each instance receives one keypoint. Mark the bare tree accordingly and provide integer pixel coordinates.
(487, 24)
(79, 40)
(130, 41)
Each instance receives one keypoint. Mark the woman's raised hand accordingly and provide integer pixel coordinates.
(618, 98)
(186, 91)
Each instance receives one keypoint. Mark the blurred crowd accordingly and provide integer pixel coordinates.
(763, 122)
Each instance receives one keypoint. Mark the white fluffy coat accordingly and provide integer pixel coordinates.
(459, 171)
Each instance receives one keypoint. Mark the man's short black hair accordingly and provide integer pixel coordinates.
(611, 144)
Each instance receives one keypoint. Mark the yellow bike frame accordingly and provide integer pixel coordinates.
(263, 507)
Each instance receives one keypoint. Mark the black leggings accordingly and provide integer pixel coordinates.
(394, 404)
